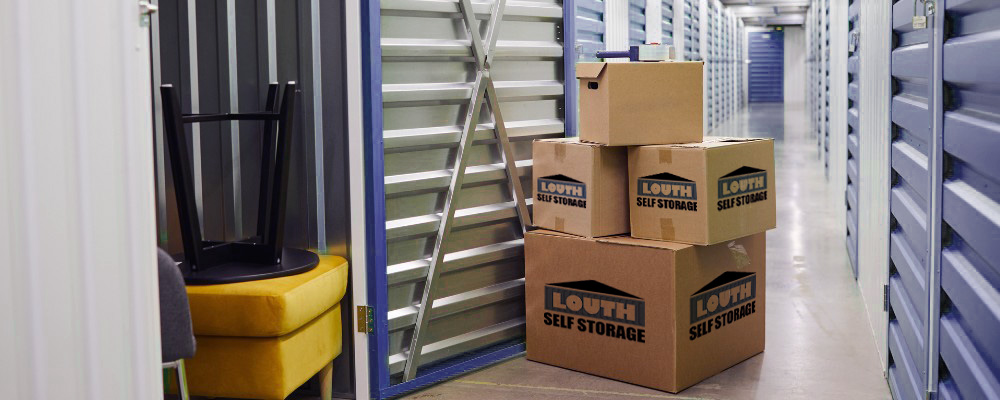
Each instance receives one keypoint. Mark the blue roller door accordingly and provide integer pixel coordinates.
(636, 22)
(970, 257)
(692, 30)
(909, 199)
(589, 29)
(767, 59)
(853, 130)
(667, 24)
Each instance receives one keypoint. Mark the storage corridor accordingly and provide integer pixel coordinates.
(818, 343)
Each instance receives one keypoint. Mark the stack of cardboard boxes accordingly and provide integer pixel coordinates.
(649, 267)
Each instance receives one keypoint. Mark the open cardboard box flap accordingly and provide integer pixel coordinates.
(590, 70)
(711, 141)
(631, 241)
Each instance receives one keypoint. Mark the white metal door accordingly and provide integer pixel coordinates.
(78, 290)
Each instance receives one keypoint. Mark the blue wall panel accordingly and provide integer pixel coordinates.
(767, 60)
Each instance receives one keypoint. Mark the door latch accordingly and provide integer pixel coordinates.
(920, 21)
(146, 8)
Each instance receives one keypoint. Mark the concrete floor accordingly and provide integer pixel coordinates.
(819, 344)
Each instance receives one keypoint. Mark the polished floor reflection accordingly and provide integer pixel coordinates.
(819, 342)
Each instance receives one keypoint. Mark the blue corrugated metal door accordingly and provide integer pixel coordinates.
(970, 256)
(767, 59)
(908, 206)
(692, 30)
(589, 29)
(636, 22)
(853, 130)
(667, 24)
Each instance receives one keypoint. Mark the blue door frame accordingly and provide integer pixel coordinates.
(375, 214)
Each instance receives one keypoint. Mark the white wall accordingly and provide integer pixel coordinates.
(78, 294)
(795, 65)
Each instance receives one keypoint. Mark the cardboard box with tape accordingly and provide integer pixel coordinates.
(580, 188)
(639, 103)
(658, 314)
(702, 193)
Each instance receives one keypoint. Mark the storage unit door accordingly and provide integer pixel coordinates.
(826, 87)
(970, 259)
(711, 37)
(908, 206)
(853, 132)
(589, 29)
(692, 30)
(767, 60)
(420, 80)
(636, 22)
(667, 23)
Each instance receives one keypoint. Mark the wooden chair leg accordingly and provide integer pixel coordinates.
(182, 386)
(326, 382)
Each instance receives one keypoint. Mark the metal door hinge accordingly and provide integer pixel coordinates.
(885, 297)
(366, 319)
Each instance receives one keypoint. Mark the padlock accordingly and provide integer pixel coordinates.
(919, 21)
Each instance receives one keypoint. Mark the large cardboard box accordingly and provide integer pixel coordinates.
(580, 188)
(658, 314)
(637, 103)
(702, 193)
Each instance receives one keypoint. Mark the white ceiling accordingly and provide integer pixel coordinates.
(769, 12)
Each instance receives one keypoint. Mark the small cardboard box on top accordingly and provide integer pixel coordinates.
(639, 103)
(580, 188)
(658, 314)
(702, 193)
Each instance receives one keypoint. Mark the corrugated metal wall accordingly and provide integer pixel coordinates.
(873, 210)
(426, 75)
(78, 278)
(221, 55)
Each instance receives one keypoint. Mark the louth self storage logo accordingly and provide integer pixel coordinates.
(724, 300)
(595, 308)
(561, 189)
(743, 186)
(666, 190)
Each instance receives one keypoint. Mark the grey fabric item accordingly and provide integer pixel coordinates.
(176, 334)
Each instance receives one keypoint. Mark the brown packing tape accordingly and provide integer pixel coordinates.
(666, 156)
(560, 224)
(560, 153)
(666, 228)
